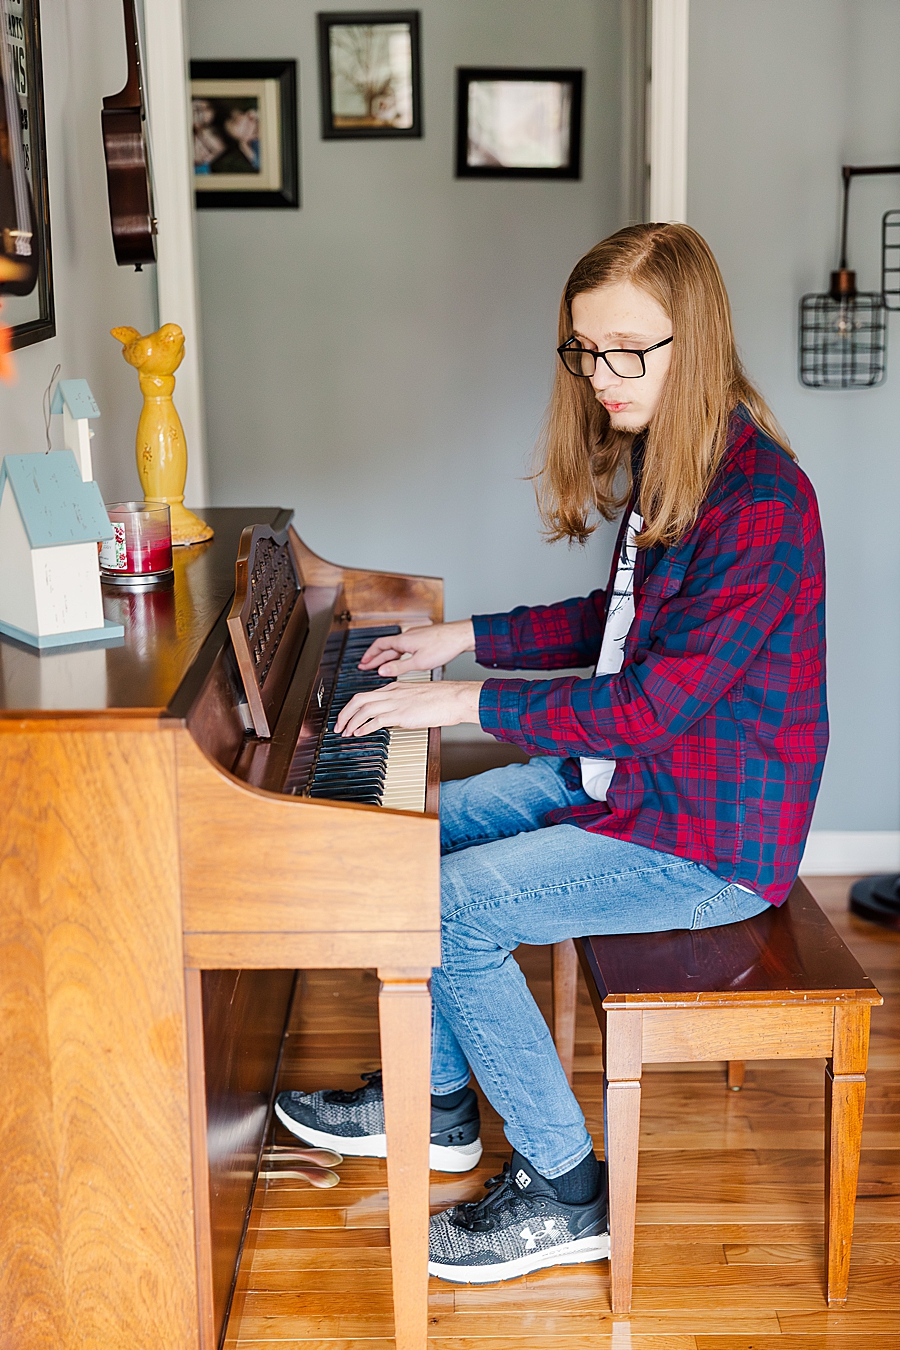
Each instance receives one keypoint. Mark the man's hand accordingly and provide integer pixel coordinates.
(436, 704)
(421, 649)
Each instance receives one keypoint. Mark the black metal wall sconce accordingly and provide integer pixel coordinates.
(843, 332)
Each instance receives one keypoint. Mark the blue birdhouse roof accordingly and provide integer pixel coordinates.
(56, 506)
(77, 397)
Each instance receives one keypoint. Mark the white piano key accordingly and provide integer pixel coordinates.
(407, 761)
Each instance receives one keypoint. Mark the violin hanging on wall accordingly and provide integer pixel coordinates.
(128, 180)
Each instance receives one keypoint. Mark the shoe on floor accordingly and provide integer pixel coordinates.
(352, 1123)
(518, 1227)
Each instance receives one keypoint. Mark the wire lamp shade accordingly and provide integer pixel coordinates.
(890, 259)
(843, 338)
(843, 333)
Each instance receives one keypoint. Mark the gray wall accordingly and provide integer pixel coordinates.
(84, 59)
(449, 291)
(782, 92)
(443, 294)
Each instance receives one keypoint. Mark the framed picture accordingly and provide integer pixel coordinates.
(245, 133)
(30, 314)
(369, 74)
(518, 123)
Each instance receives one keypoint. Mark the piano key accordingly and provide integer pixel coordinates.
(365, 799)
(351, 765)
(407, 766)
(388, 767)
(373, 778)
(347, 757)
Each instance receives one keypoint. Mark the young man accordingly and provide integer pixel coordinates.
(673, 789)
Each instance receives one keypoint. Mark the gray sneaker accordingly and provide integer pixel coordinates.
(518, 1227)
(352, 1123)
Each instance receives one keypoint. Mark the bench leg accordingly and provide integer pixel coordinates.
(621, 1129)
(735, 1074)
(845, 1095)
(565, 999)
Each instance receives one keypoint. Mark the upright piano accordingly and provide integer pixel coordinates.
(181, 832)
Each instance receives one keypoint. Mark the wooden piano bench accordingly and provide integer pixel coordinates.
(779, 986)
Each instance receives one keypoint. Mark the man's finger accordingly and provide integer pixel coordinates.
(367, 720)
(368, 728)
(358, 703)
(373, 658)
(398, 665)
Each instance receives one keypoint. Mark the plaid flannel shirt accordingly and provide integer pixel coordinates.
(717, 720)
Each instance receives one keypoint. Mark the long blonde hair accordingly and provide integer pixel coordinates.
(586, 466)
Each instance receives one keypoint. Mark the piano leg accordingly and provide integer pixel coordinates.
(404, 1011)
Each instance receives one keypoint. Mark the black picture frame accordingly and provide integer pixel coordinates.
(31, 107)
(468, 75)
(278, 78)
(378, 18)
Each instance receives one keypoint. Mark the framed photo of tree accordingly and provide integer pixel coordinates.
(24, 198)
(369, 74)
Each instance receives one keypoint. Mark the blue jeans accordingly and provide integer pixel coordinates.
(505, 879)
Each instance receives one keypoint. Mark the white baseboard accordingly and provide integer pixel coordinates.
(850, 852)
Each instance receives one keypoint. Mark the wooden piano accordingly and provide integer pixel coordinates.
(165, 871)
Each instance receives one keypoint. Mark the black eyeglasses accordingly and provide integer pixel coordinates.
(627, 365)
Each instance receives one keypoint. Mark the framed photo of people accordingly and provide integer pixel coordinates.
(245, 133)
(369, 74)
(513, 123)
(26, 271)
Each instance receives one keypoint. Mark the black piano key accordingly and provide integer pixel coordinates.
(369, 772)
(357, 776)
(334, 741)
(355, 747)
(337, 741)
(359, 757)
(344, 768)
(341, 745)
(351, 766)
(347, 795)
(349, 763)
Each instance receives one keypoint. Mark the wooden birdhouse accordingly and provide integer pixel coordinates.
(50, 524)
(75, 401)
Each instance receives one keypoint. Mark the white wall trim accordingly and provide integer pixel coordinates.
(668, 109)
(168, 111)
(850, 852)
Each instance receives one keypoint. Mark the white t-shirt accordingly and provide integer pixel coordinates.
(596, 774)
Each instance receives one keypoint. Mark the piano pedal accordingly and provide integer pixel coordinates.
(302, 1164)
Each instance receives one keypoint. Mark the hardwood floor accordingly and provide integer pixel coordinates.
(729, 1236)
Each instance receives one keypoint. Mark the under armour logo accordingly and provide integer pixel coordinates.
(522, 1179)
(531, 1239)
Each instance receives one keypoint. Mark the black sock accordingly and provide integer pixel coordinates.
(581, 1183)
(449, 1100)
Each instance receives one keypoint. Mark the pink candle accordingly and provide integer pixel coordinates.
(141, 546)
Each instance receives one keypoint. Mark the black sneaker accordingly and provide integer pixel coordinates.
(520, 1226)
(352, 1123)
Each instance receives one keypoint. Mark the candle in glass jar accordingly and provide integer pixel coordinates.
(140, 551)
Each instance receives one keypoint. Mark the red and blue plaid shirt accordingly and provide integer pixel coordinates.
(717, 720)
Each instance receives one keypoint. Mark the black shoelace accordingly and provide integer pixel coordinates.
(480, 1216)
(370, 1080)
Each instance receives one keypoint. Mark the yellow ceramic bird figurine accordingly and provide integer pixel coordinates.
(160, 446)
